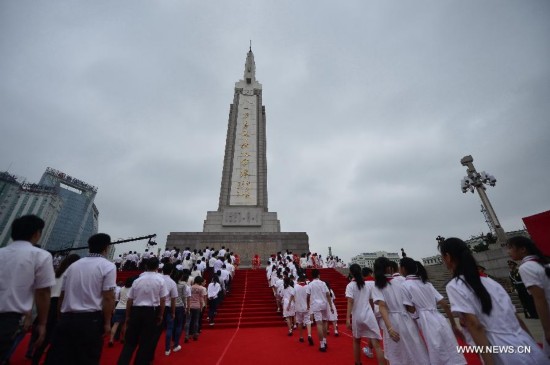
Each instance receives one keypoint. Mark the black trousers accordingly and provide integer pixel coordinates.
(10, 326)
(527, 302)
(142, 332)
(77, 339)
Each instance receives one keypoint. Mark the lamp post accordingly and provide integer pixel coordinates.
(477, 181)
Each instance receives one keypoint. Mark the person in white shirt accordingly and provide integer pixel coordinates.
(279, 284)
(300, 305)
(27, 274)
(318, 302)
(402, 342)
(52, 315)
(187, 263)
(144, 314)
(87, 303)
(225, 277)
(360, 317)
(214, 292)
(535, 273)
(222, 252)
(211, 262)
(229, 266)
(438, 334)
(218, 264)
(118, 262)
(120, 311)
(268, 270)
(396, 275)
(485, 308)
(201, 265)
(169, 306)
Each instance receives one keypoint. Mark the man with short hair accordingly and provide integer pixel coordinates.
(144, 314)
(87, 303)
(169, 306)
(26, 273)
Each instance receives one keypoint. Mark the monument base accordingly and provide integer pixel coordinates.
(244, 244)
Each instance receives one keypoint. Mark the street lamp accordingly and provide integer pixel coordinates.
(477, 181)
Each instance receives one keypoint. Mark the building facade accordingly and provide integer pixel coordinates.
(18, 198)
(64, 203)
(367, 259)
(432, 260)
(78, 219)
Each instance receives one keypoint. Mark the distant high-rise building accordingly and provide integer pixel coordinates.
(18, 198)
(78, 219)
(64, 203)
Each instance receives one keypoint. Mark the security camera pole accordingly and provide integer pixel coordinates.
(477, 181)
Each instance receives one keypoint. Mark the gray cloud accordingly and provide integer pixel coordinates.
(370, 107)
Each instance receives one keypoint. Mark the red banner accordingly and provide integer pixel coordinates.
(538, 226)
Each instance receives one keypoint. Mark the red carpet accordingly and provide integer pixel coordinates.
(249, 331)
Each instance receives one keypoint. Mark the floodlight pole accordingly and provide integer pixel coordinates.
(478, 184)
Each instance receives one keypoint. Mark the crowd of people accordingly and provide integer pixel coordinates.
(70, 309)
(302, 302)
(182, 259)
(397, 305)
(70, 306)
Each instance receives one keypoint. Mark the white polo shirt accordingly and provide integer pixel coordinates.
(23, 269)
(84, 282)
(317, 290)
(172, 288)
(224, 275)
(148, 289)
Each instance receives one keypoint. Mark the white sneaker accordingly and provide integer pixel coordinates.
(368, 352)
(167, 352)
(177, 348)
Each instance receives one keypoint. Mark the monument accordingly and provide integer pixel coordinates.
(242, 221)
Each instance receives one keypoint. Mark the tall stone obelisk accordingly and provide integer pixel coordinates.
(243, 193)
(242, 221)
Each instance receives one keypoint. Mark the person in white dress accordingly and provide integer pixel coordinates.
(535, 273)
(402, 342)
(288, 298)
(332, 316)
(360, 316)
(438, 334)
(486, 309)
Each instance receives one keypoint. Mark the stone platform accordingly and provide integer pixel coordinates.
(244, 244)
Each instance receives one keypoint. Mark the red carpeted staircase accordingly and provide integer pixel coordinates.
(251, 302)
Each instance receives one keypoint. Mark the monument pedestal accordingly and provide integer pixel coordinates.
(244, 244)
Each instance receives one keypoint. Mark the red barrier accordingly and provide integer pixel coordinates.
(538, 226)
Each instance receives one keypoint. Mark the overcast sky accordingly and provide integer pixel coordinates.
(370, 107)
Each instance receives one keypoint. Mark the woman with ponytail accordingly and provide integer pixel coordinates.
(288, 302)
(485, 309)
(363, 322)
(535, 273)
(402, 342)
(437, 333)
